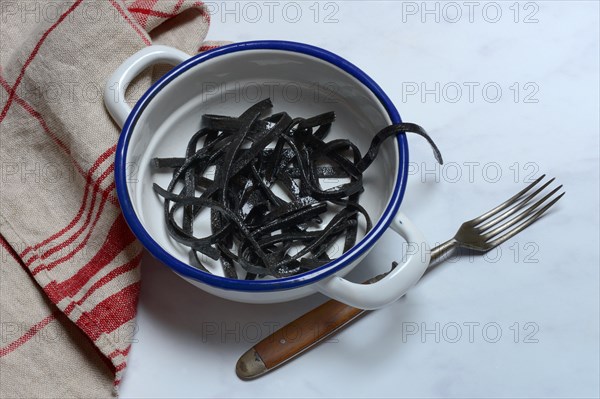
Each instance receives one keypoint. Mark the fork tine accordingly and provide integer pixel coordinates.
(530, 220)
(513, 209)
(520, 216)
(506, 203)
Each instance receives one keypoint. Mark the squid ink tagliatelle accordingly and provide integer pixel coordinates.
(266, 201)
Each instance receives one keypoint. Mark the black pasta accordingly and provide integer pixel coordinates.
(252, 226)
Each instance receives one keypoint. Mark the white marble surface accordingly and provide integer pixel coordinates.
(540, 290)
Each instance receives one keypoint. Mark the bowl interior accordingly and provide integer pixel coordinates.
(299, 84)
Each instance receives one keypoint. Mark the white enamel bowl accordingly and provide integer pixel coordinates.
(301, 80)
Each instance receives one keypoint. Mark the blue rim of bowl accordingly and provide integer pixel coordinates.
(259, 285)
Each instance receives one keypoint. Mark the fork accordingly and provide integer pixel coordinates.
(483, 233)
(480, 234)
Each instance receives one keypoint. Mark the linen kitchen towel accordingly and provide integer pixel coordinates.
(70, 273)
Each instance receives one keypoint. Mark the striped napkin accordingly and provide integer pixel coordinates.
(70, 274)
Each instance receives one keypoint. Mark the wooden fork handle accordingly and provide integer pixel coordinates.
(297, 336)
(294, 338)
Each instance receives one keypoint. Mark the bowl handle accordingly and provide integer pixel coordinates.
(114, 92)
(393, 285)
